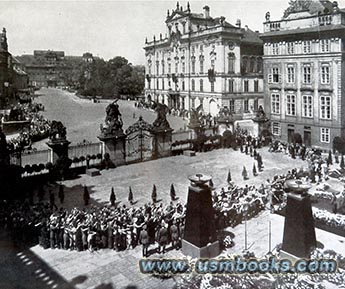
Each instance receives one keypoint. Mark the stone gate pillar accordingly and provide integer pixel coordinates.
(162, 139)
(115, 146)
(58, 148)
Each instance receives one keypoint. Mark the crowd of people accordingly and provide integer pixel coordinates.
(95, 227)
(37, 129)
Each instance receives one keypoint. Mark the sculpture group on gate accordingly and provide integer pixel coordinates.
(57, 131)
(113, 120)
(161, 122)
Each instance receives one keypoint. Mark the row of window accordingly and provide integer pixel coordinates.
(307, 47)
(307, 105)
(247, 65)
(231, 85)
(325, 133)
(275, 75)
(232, 105)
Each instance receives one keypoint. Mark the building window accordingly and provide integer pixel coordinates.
(275, 48)
(231, 63)
(169, 68)
(183, 87)
(176, 67)
(325, 135)
(306, 73)
(163, 67)
(256, 85)
(231, 85)
(193, 66)
(157, 82)
(324, 45)
(163, 83)
(256, 104)
(291, 104)
(149, 83)
(212, 64)
(201, 66)
(307, 46)
(157, 67)
(325, 74)
(246, 85)
(307, 105)
(183, 67)
(246, 105)
(274, 76)
(193, 85)
(276, 128)
(193, 103)
(275, 103)
(212, 86)
(325, 107)
(290, 74)
(290, 48)
(201, 85)
(232, 105)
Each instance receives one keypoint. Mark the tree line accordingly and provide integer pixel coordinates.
(111, 79)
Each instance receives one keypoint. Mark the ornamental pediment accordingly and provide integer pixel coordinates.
(176, 15)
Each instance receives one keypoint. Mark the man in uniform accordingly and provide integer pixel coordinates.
(144, 240)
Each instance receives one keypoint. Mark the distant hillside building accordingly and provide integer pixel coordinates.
(304, 73)
(49, 68)
(205, 61)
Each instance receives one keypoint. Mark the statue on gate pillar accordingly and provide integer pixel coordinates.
(113, 120)
(112, 135)
(162, 132)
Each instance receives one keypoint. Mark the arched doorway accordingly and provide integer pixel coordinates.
(213, 107)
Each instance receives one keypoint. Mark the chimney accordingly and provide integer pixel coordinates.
(238, 23)
(206, 11)
(246, 27)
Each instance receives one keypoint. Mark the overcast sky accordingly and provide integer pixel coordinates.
(111, 28)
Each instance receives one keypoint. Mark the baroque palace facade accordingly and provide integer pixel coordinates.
(205, 62)
(304, 73)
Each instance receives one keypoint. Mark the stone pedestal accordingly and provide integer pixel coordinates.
(299, 230)
(260, 125)
(114, 145)
(58, 148)
(200, 239)
(162, 139)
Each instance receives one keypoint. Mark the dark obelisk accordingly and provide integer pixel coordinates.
(200, 239)
(299, 230)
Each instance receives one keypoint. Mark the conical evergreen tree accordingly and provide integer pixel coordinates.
(154, 194)
(342, 163)
(130, 196)
(229, 177)
(244, 173)
(329, 159)
(172, 192)
(112, 197)
(254, 170)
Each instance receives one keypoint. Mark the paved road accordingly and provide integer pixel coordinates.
(83, 118)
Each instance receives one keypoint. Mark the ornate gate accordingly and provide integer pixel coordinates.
(139, 141)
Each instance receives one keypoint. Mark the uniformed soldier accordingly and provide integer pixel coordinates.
(144, 240)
